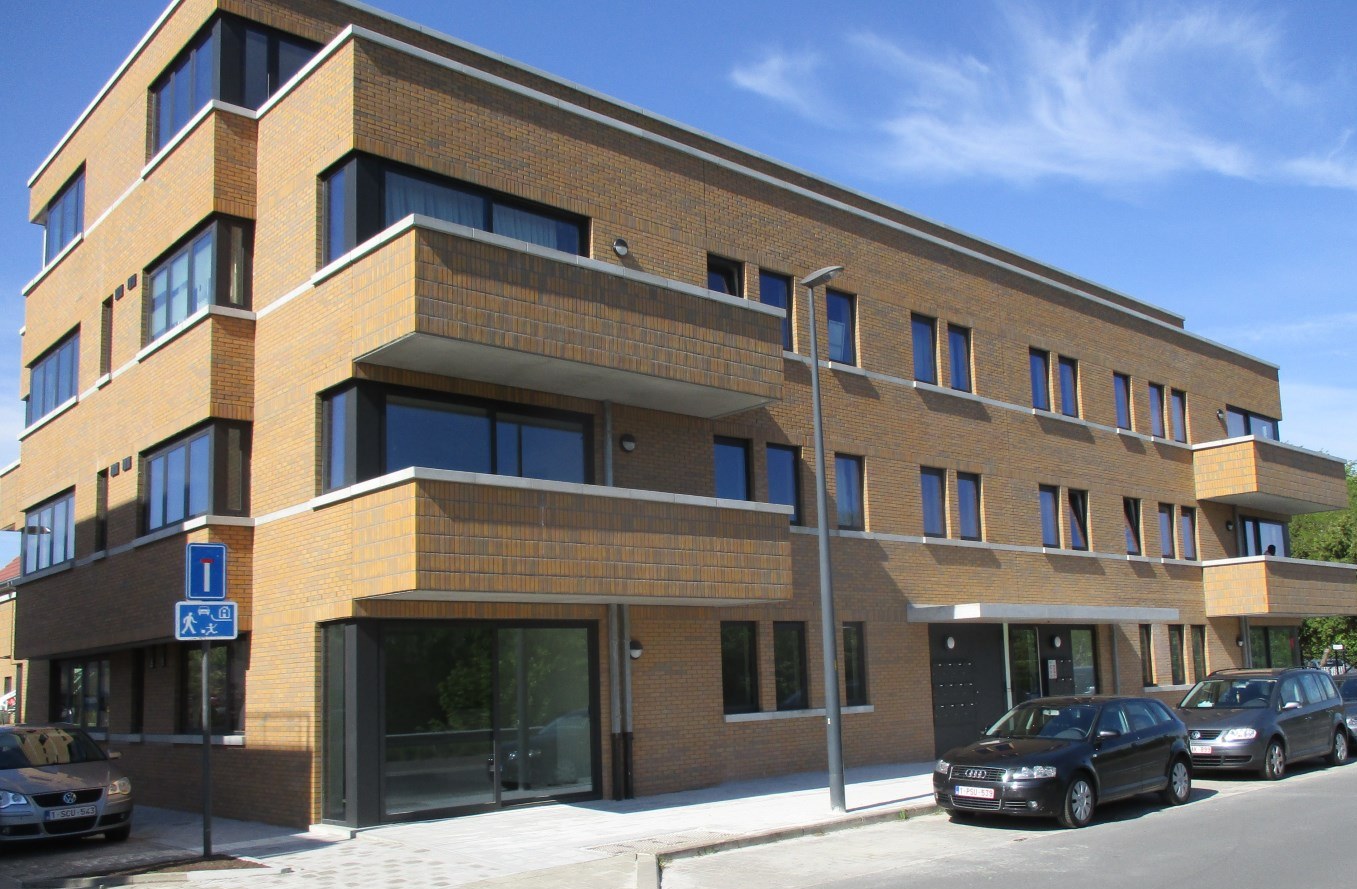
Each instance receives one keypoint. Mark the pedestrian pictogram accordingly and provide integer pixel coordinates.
(205, 621)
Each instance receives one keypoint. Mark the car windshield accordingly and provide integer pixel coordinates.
(1232, 694)
(25, 748)
(1069, 721)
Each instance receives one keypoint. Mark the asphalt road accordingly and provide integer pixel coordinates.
(1235, 833)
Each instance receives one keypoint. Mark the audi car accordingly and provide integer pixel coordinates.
(55, 781)
(1062, 757)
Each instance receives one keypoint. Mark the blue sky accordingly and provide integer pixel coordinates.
(1200, 157)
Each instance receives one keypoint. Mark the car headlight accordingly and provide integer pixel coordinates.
(11, 800)
(1028, 772)
(121, 787)
(1239, 734)
(942, 766)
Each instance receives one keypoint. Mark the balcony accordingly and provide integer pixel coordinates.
(1268, 476)
(1279, 587)
(455, 536)
(444, 299)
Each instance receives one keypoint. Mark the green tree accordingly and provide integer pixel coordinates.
(1328, 537)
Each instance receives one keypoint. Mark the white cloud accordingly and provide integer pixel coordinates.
(1311, 332)
(1320, 417)
(787, 79)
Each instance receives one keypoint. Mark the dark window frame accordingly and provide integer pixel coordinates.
(1076, 502)
(1039, 369)
(748, 667)
(53, 378)
(69, 206)
(933, 480)
(959, 372)
(231, 269)
(228, 474)
(847, 353)
(794, 453)
(1132, 514)
(1198, 637)
(228, 720)
(1069, 385)
(1147, 671)
(1251, 533)
(1177, 654)
(1240, 422)
(726, 444)
(923, 335)
(65, 707)
(1178, 415)
(791, 680)
(1168, 531)
(789, 301)
(855, 664)
(727, 272)
(40, 537)
(1121, 398)
(1158, 410)
(1187, 532)
(859, 518)
(970, 507)
(1048, 501)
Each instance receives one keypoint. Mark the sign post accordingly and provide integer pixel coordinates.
(205, 615)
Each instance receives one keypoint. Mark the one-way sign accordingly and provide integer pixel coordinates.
(202, 621)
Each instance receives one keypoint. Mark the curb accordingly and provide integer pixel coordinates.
(177, 877)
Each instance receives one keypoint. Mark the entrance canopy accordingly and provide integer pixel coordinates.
(1010, 612)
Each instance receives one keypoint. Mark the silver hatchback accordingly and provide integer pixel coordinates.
(55, 781)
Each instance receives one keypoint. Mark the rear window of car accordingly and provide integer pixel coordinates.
(1349, 689)
(35, 747)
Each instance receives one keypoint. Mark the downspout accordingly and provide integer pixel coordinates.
(628, 777)
(1116, 661)
(1247, 641)
(1008, 669)
(617, 758)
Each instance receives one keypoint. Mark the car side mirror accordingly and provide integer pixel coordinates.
(1108, 733)
(1291, 705)
(115, 754)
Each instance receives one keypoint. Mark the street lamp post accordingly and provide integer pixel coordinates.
(829, 628)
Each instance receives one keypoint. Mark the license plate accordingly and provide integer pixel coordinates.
(73, 812)
(975, 792)
(1201, 750)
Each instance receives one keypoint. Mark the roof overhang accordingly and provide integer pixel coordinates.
(1006, 612)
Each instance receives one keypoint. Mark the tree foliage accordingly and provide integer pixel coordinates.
(1329, 537)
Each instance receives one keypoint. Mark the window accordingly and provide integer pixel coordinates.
(53, 379)
(1121, 391)
(101, 510)
(1147, 655)
(1241, 422)
(1130, 508)
(205, 472)
(1039, 362)
(1198, 652)
(842, 327)
(1069, 386)
(1274, 646)
(1265, 537)
(1049, 496)
(82, 693)
(49, 533)
(731, 456)
(739, 666)
(365, 195)
(212, 268)
(784, 478)
(959, 357)
(854, 665)
(1178, 413)
(776, 290)
(924, 331)
(1187, 526)
(373, 429)
(1166, 531)
(226, 666)
(1156, 410)
(64, 218)
(1077, 503)
(106, 338)
(848, 492)
(968, 504)
(789, 665)
(724, 275)
(1083, 653)
(1176, 665)
(239, 62)
(933, 485)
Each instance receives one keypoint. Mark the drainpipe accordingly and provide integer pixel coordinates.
(1008, 669)
(628, 777)
(614, 634)
(1247, 638)
(1116, 661)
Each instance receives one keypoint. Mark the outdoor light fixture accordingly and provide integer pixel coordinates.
(1220, 415)
(620, 247)
(1239, 640)
(1229, 525)
(635, 649)
(1057, 641)
(951, 643)
(627, 442)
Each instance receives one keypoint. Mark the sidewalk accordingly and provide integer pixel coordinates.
(594, 844)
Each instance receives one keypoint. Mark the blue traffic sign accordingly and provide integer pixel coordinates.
(200, 621)
(205, 571)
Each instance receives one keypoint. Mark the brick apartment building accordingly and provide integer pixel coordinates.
(497, 390)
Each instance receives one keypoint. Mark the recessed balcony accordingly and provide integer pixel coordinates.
(444, 299)
(1279, 587)
(1268, 476)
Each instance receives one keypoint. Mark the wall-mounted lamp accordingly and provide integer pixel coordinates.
(1229, 525)
(620, 247)
(1056, 641)
(635, 649)
(951, 643)
(1239, 640)
(1220, 415)
(627, 442)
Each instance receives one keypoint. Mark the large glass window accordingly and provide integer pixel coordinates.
(1077, 504)
(1178, 414)
(1039, 366)
(1121, 393)
(1049, 498)
(1166, 546)
(1198, 652)
(784, 478)
(933, 490)
(241, 63)
(968, 505)
(924, 331)
(854, 665)
(790, 672)
(731, 456)
(82, 693)
(53, 379)
(959, 357)
(724, 275)
(1084, 653)
(365, 195)
(49, 533)
(1274, 646)
(1176, 664)
(226, 666)
(1147, 655)
(739, 666)
(842, 327)
(205, 472)
(212, 268)
(1265, 537)
(65, 218)
(1156, 410)
(1069, 386)
(776, 290)
(1241, 422)
(848, 492)
(1130, 507)
(1187, 526)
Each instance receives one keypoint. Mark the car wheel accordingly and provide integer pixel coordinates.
(1338, 753)
(1079, 802)
(118, 834)
(1274, 760)
(1179, 788)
